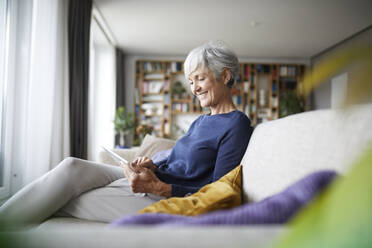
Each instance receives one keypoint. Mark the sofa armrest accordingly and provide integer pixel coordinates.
(128, 154)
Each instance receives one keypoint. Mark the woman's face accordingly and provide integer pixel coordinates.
(205, 87)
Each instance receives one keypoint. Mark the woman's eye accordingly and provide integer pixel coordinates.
(201, 79)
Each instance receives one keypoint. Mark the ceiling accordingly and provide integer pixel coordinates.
(253, 28)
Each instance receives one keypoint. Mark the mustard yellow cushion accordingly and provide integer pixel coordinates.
(221, 194)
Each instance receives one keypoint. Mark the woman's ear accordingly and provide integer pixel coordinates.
(226, 76)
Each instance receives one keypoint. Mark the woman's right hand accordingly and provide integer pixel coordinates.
(143, 162)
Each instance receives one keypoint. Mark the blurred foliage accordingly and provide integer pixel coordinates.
(144, 129)
(124, 121)
(340, 216)
(141, 132)
(290, 103)
(178, 90)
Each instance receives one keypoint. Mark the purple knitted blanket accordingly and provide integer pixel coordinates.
(276, 209)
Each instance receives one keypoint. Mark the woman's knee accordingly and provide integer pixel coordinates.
(71, 163)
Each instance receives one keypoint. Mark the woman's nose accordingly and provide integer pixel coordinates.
(196, 88)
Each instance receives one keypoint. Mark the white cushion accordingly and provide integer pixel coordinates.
(282, 151)
(151, 145)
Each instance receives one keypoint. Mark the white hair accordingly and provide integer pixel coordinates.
(216, 56)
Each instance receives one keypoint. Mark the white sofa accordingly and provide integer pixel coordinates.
(279, 153)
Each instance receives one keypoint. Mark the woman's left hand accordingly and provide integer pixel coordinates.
(145, 181)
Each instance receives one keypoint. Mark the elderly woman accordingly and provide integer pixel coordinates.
(214, 145)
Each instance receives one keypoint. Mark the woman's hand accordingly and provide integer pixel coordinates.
(143, 162)
(143, 180)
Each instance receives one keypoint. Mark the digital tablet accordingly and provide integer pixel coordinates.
(115, 156)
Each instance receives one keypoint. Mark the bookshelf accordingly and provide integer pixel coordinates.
(153, 100)
(257, 92)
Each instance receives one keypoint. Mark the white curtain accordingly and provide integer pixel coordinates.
(38, 123)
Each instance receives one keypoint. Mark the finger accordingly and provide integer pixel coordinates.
(141, 160)
(135, 161)
(133, 165)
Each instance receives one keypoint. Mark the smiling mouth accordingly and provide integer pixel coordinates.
(203, 93)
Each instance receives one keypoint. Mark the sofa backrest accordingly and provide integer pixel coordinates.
(283, 151)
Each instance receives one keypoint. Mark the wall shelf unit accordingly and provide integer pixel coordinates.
(257, 92)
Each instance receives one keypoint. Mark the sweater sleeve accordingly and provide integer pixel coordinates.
(180, 190)
(161, 157)
(232, 148)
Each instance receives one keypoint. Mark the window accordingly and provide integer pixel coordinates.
(4, 21)
(102, 88)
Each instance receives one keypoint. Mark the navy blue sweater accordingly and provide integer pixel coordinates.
(213, 146)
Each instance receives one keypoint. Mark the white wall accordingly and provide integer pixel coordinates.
(322, 96)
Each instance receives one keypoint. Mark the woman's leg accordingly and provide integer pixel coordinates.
(44, 196)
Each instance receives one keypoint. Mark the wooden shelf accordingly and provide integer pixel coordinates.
(153, 115)
(181, 100)
(153, 79)
(154, 101)
(151, 94)
(180, 112)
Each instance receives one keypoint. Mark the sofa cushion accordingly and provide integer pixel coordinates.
(282, 151)
(221, 194)
(81, 236)
(151, 145)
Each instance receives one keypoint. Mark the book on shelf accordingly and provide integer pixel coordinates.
(288, 71)
(166, 84)
(237, 99)
(167, 128)
(274, 87)
(166, 113)
(259, 68)
(262, 97)
(238, 78)
(263, 115)
(166, 98)
(252, 95)
(252, 79)
(252, 108)
(246, 110)
(181, 107)
(246, 71)
(137, 109)
(176, 66)
(136, 96)
(152, 66)
(283, 71)
(152, 86)
(275, 71)
(274, 101)
(246, 86)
